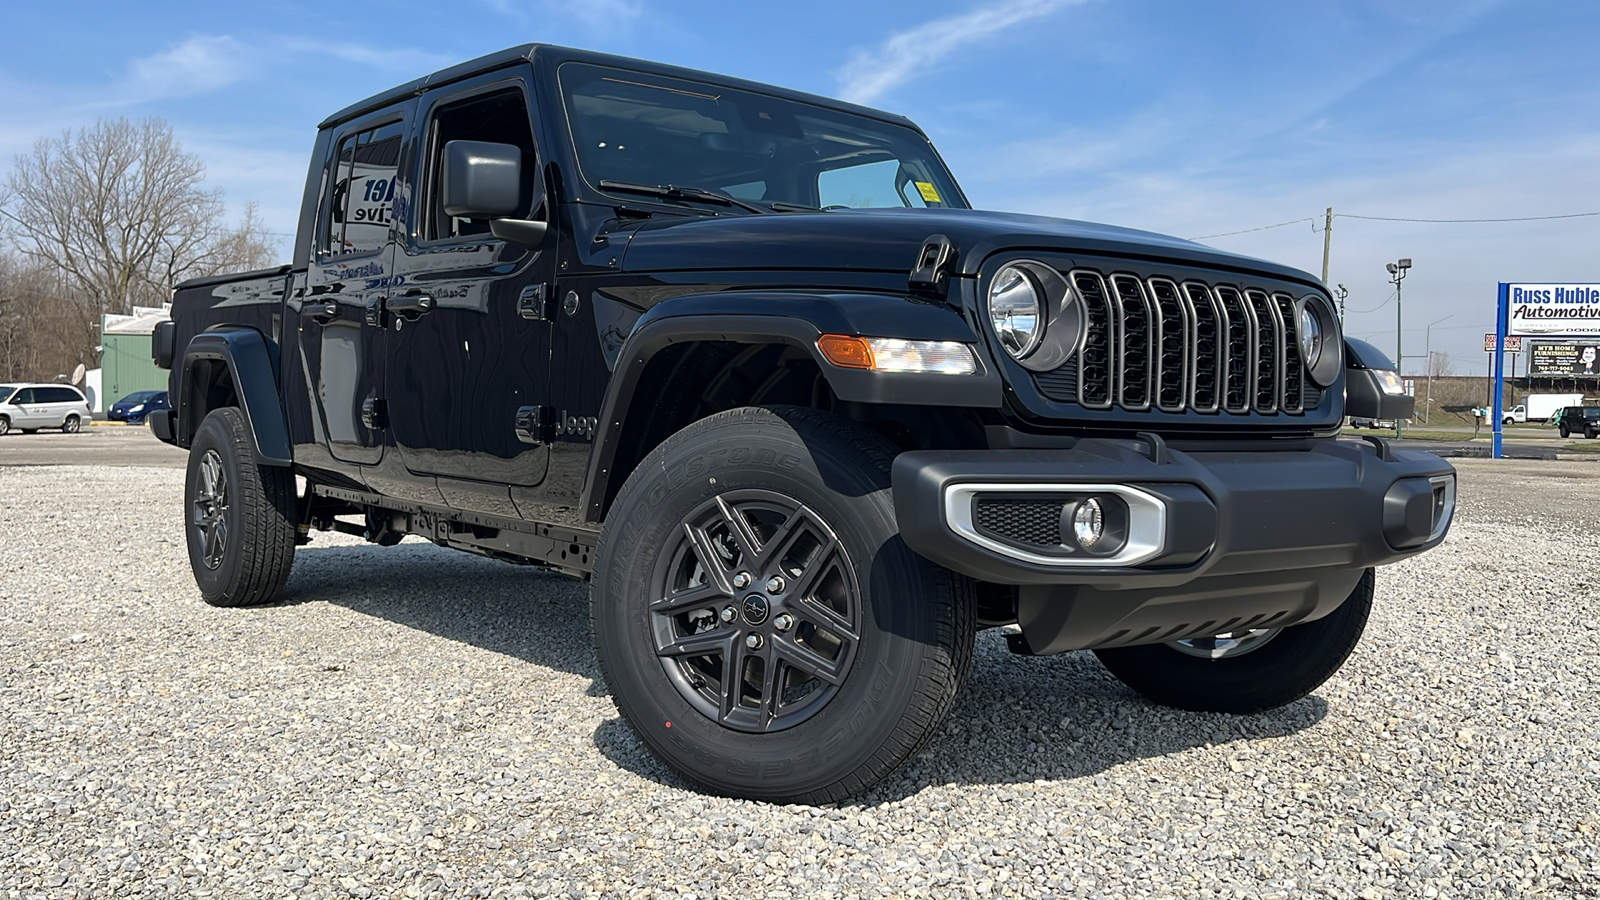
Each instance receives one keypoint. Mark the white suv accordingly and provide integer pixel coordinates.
(31, 407)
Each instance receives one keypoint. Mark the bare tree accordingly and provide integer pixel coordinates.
(1440, 364)
(120, 209)
(44, 329)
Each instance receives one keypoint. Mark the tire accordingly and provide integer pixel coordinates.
(1565, 432)
(5, 424)
(1279, 670)
(1589, 433)
(71, 425)
(239, 517)
(878, 640)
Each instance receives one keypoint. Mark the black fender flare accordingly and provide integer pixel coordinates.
(797, 319)
(252, 361)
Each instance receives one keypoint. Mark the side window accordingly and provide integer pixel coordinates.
(874, 184)
(24, 396)
(499, 117)
(60, 395)
(361, 202)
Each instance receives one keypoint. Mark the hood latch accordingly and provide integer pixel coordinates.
(931, 270)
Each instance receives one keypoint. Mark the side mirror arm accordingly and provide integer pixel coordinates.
(526, 232)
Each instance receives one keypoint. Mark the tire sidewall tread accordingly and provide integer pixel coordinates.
(913, 656)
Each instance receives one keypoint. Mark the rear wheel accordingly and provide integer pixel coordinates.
(240, 515)
(760, 623)
(1565, 432)
(71, 425)
(1249, 671)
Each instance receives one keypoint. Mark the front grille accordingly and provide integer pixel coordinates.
(1156, 343)
(1024, 521)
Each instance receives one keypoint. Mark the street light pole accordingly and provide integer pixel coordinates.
(1397, 274)
(1343, 292)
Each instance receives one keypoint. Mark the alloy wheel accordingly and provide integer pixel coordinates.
(209, 514)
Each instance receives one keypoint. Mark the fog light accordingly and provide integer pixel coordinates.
(1088, 524)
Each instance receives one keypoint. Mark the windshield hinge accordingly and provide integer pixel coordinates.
(932, 266)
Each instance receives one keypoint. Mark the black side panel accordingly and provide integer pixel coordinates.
(252, 364)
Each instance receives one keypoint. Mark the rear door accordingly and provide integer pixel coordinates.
(341, 325)
(462, 371)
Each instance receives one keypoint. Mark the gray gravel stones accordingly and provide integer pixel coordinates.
(412, 722)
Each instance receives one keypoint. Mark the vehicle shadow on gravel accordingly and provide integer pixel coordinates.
(1025, 719)
(520, 611)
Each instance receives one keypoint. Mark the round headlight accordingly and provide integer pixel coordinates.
(1319, 340)
(1016, 310)
(1310, 337)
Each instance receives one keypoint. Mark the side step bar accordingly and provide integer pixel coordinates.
(560, 547)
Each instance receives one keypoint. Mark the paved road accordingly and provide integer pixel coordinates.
(97, 445)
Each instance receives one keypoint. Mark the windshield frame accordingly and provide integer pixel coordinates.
(587, 183)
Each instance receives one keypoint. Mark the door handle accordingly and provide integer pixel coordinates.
(412, 305)
(322, 312)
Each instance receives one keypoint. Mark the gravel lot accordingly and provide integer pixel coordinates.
(421, 723)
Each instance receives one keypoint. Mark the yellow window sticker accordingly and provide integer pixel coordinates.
(928, 191)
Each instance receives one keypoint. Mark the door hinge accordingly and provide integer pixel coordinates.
(374, 413)
(531, 302)
(532, 424)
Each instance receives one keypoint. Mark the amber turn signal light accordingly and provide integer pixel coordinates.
(846, 351)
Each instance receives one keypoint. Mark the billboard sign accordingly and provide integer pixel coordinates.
(1513, 343)
(1553, 309)
(1565, 358)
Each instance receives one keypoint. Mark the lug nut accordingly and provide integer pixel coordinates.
(741, 579)
(728, 613)
(783, 622)
(775, 584)
(753, 642)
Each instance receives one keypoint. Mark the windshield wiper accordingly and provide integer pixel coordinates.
(676, 192)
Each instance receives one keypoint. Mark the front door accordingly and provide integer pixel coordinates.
(341, 327)
(469, 354)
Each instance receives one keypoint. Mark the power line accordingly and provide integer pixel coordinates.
(1313, 221)
(1583, 215)
(1262, 228)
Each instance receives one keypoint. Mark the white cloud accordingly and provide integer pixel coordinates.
(408, 60)
(201, 63)
(870, 74)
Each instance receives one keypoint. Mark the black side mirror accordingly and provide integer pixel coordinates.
(482, 180)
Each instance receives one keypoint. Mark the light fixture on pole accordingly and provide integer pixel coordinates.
(1397, 274)
(1343, 292)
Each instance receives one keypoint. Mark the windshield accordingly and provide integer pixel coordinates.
(139, 397)
(649, 130)
(6, 390)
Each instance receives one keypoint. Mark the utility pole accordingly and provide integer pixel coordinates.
(1397, 274)
(1428, 339)
(1327, 239)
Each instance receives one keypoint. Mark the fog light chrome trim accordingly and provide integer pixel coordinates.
(1147, 522)
(1449, 511)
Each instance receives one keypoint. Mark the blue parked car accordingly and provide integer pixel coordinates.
(134, 407)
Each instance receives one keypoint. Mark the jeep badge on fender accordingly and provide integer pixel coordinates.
(801, 451)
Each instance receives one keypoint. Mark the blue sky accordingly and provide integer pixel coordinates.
(1188, 118)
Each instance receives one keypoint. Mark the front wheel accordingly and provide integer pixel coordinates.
(5, 424)
(759, 621)
(240, 515)
(1249, 671)
(71, 425)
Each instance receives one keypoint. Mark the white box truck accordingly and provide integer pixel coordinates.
(1539, 407)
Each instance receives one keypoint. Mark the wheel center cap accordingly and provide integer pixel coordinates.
(756, 609)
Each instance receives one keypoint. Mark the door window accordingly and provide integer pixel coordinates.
(26, 395)
(361, 201)
(499, 117)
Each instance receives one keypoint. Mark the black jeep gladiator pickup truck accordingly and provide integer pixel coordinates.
(746, 360)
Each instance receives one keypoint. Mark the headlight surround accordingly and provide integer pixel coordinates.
(1036, 316)
(1320, 346)
(1016, 310)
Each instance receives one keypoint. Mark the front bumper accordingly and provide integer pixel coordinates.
(1242, 539)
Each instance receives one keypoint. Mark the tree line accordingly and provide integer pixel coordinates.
(99, 221)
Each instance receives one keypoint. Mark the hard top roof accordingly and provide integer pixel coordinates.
(514, 55)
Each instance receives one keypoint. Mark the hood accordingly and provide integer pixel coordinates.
(887, 240)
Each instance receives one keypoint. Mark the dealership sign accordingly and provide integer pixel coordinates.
(1553, 309)
(1564, 358)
